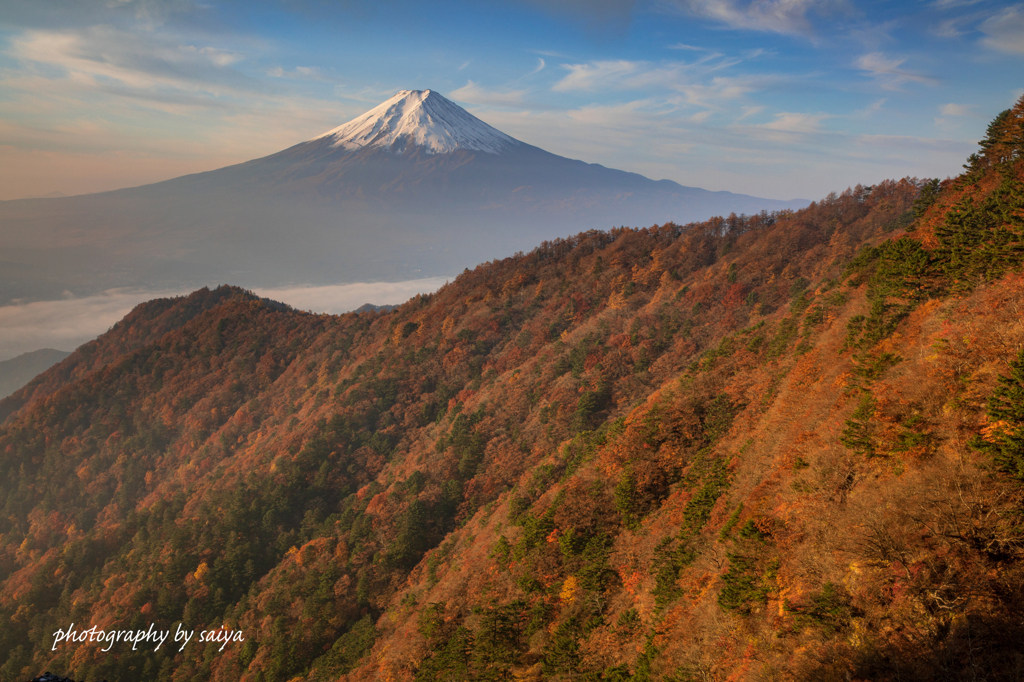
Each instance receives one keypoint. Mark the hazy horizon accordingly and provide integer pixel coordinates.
(68, 323)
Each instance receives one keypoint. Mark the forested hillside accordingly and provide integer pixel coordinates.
(778, 447)
(147, 323)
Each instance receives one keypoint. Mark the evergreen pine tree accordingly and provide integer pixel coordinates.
(1004, 437)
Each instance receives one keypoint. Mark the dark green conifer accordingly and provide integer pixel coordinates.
(1004, 437)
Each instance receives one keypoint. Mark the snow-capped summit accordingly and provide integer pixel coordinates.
(422, 118)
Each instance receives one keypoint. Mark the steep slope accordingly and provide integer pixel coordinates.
(415, 187)
(783, 447)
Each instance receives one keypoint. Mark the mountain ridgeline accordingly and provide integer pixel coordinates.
(785, 446)
(20, 370)
(415, 187)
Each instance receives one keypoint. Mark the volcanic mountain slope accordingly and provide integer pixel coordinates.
(786, 447)
(415, 187)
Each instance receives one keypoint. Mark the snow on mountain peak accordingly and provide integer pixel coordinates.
(422, 118)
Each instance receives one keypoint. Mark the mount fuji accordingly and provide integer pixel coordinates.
(415, 187)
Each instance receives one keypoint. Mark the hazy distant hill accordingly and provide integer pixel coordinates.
(17, 372)
(143, 325)
(415, 187)
(373, 308)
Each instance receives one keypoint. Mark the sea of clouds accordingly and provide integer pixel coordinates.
(68, 323)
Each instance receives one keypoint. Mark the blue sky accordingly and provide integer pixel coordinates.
(777, 98)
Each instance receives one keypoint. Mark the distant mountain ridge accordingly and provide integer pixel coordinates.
(18, 371)
(415, 187)
(143, 325)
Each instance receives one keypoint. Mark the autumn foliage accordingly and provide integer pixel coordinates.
(785, 446)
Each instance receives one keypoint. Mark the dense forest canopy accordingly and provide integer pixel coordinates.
(787, 446)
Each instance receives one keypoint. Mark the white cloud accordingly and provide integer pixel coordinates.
(793, 122)
(144, 106)
(340, 298)
(599, 75)
(127, 57)
(65, 324)
(696, 84)
(956, 110)
(299, 73)
(550, 53)
(70, 322)
(950, 28)
(472, 93)
(59, 134)
(950, 4)
(617, 116)
(218, 57)
(872, 108)
(888, 73)
(741, 147)
(775, 16)
(144, 13)
(1005, 31)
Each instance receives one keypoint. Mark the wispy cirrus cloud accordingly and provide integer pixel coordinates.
(109, 54)
(950, 28)
(952, 116)
(540, 67)
(1004, 31)
(747, 112)
(787, 128)
(957, 110)
(696, 82)
(473, 93)
(201, 84)
(888, 73)
(870, 110)
(950, 4)
(131, 96)
(58, 14)
(794, 122)
(607, 74)
(717, 149)
(299, 73)
(791, 17)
